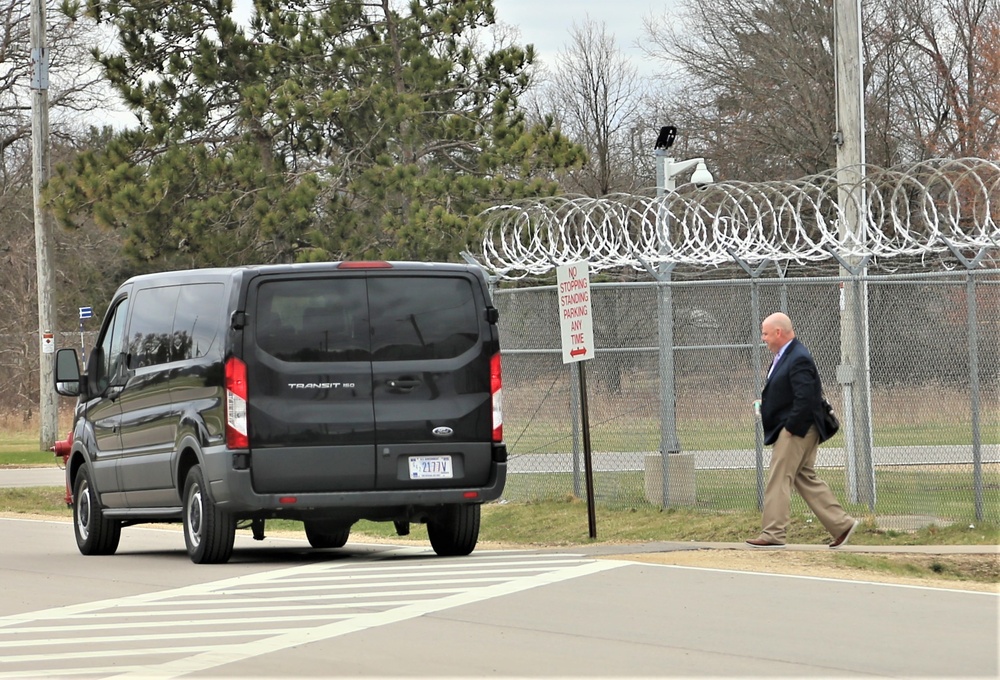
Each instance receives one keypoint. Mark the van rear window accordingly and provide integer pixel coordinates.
(314, 320)
(393, 318)
(415, 318)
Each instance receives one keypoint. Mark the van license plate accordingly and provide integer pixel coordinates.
(430, 467)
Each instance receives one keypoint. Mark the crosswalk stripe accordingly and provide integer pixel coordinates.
(297, 605)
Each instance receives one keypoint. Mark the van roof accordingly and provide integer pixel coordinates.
(224, 273)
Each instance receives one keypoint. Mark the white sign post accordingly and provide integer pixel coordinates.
(577, 326)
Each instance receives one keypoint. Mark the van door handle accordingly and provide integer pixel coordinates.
(403, 383)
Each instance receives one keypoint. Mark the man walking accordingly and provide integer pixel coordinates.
(791, 411)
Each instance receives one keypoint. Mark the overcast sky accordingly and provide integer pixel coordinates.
(546, 23)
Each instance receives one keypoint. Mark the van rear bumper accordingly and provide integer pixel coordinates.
(234, 493)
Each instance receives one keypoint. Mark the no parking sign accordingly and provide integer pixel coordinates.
(575, 318)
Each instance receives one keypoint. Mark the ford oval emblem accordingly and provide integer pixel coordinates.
(442, 431)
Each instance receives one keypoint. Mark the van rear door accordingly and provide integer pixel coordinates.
(431, 349)
(310, 413)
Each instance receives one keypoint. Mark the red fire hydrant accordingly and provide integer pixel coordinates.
(63, 449)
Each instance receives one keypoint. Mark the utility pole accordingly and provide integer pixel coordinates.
(48, 412)
(853, 372)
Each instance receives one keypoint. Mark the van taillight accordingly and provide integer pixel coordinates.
(496, 385)
(236, 405)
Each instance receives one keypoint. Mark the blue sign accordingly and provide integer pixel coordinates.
(86, 312)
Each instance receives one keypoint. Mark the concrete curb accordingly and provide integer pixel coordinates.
(606, 550)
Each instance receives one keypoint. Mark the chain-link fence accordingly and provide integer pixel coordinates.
(677, 427)
(934, 357)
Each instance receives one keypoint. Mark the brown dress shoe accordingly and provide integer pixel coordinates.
(761, 543)
(843, 538)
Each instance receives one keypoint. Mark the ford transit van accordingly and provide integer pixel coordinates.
(326, 393)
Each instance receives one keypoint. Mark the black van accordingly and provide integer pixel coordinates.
(326, 393)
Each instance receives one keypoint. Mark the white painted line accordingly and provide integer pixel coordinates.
(186, 623)
(92, 671)
(129, 608)
(826, 579)
(113, 619)
(124, 638)
(72, 656)
(357, 602)
(410, 585)
(436, 570)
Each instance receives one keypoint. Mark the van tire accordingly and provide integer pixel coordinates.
(209, 533)
(325, 535)
(95, 534)
(455, 530)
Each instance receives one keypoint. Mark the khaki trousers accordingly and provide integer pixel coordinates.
(792, 464)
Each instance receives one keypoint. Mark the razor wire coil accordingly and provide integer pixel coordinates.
(851, 213)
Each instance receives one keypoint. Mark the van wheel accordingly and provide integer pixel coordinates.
(327, 535)
(95, 534)
(455, 530)
(209, 533)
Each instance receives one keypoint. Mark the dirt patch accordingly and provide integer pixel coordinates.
(980, 572)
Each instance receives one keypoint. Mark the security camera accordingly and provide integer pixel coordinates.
(701, 176)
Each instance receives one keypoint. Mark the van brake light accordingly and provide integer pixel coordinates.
(496, 391)
(236, 405)
(368, 264)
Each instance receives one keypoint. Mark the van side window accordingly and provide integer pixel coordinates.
(106, 360)
(314, 320)
(151, 326)
(197, 321)
(418, 318)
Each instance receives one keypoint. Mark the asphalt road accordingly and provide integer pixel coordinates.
(279, 609)
(32, 476)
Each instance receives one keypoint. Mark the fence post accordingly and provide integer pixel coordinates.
(977, 450)
(972, 320)
(758, 365)
(669, 443)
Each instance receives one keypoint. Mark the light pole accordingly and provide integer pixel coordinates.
(667, 170)
(853, 373)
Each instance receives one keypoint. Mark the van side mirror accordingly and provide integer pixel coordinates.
(67, 377)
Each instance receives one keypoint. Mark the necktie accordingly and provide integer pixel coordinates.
(774, 362)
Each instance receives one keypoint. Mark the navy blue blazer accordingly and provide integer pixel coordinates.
(793, 396)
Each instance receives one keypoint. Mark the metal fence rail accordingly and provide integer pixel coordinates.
(935, 394)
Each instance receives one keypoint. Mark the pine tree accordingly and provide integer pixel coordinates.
(317, 130)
